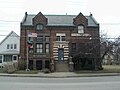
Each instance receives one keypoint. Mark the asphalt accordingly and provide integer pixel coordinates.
(60, 75)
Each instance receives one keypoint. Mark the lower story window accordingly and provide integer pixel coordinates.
(1, 58)
(15, 57)
(7, 58)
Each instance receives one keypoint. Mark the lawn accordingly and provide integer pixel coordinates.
(106, 69)
(111, 68)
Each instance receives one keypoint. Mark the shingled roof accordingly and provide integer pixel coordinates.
(59, 20)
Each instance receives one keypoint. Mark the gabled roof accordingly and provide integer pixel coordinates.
(58, 20)
(11, 33)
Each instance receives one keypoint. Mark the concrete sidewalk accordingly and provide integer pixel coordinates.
(61, 75)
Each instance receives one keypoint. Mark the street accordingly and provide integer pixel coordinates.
(78, 83)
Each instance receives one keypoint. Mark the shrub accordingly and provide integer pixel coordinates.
(10, 67)
(21, 65)
(46, 70)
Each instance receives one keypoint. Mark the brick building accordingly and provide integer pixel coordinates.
(63, 42)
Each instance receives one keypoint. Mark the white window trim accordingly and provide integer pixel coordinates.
(2, 58)
(80, 28)
(16, 58)
(60, 35)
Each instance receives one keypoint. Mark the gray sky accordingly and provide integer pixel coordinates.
(106, 12)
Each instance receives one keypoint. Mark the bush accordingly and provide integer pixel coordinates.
(21, 65)
(46, 70)
(10, 67)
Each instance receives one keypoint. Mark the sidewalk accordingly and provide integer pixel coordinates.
(61, 75)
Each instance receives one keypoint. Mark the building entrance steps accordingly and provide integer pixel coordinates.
(61, 66)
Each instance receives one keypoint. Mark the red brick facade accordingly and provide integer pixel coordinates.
(60, 41)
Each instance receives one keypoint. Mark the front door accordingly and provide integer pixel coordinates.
(60, 54)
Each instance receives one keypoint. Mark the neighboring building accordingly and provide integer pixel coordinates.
(108, 58)
(9, 48)
(60, 37)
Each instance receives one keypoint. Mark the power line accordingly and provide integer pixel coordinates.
(8, 21)
(69, 37)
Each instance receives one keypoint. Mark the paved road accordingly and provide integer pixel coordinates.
(82, 83)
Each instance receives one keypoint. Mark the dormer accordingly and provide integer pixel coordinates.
(80, 19)
(39, 19)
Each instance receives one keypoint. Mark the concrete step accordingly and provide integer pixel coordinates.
(61, 66)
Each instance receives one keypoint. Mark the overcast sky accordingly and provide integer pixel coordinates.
(106, 12)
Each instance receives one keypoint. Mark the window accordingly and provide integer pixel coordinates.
(8, 46)
(62, 38)
(15, 57)
(30, 38)
(11, 46)
(39, 39)
(1, 58)
(39, 48)
(58, 38)
(47, 47)
(15, 46)
(47, 39)
(39, 27)
(80, 29)
(7, 58)
(73, 46)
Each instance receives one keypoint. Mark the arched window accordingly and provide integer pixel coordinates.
(39, 27)
(80, 29)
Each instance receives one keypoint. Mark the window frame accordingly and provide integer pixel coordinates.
(15, 46)
(8, 46)
(47, 48)
(47, 38)
(39, 27)
(1, 59)
(39, 48)
(15, 56)
(39, 39)
(80, 29)
(61, 37)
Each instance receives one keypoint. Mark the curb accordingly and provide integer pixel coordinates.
(60, 76)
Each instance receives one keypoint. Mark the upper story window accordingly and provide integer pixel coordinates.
(15, 46)
(80, 29)
(47, 39)
(39, 48)
(60, 37)
(8, 46)
(30, 38)
(39, 27)
(40, 39)
(11, 46)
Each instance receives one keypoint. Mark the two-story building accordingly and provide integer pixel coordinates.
(9, 48)
(59, 39)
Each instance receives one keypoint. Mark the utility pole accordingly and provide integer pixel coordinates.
(27, 62)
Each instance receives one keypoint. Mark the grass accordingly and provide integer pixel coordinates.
(106, 69)
(111, 68)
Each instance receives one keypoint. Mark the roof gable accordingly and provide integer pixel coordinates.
(12, 33)
(80, 19)
(40, 18)
(59, 20)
